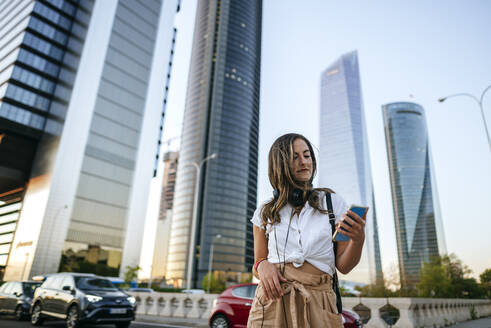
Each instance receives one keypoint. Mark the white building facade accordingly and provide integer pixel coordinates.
(85, 198)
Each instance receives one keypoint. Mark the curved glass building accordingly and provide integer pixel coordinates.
(222, 117)
(419, 232)
(344, 163)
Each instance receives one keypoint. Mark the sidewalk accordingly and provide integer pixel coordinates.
(188, 322)
(479, 323)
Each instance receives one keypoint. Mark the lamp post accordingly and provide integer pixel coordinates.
(479, 102)
(211, 261)
(192, 238)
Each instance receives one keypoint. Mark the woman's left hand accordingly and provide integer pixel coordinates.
(357, 230)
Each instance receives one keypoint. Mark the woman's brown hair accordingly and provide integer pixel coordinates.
(280, 162)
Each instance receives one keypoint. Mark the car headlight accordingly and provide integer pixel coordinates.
(93, 298)
(132, 300)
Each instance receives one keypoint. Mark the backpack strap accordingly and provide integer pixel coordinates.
(332, 218)
(335, 282)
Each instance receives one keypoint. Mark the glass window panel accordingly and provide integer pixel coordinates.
(51, 15)
(7, 238)
(10, 227)
(241, 291)
(4, 249)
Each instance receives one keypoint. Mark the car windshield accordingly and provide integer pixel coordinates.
(93, 283)
(29, 288)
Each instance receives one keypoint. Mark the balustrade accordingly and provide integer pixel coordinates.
(413, 312)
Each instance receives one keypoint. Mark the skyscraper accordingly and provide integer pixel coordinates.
(80, 104)
(162, 233)
(221, 117)
(344, 163)
(419, 231)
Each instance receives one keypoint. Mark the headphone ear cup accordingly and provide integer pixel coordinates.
(296, 197)
(276, 194)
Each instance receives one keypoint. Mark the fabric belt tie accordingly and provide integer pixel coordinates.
(294, 287)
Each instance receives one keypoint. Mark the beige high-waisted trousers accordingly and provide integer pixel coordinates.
(309, 299)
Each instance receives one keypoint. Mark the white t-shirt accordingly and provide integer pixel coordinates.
(309, 238)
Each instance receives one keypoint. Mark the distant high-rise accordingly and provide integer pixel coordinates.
(81, 96)
(162, 233)
(344, 163)
(221, 117)
(419, 230)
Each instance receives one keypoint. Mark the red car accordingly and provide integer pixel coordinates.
(231, 308)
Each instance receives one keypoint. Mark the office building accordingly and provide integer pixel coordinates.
(221, 117)
(162, 233)
(81, 100)
(419, 230)
(344, 161)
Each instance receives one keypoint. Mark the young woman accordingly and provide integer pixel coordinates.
(293, 246)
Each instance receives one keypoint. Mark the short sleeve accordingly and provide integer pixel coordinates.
(339, 206)
(256, 218)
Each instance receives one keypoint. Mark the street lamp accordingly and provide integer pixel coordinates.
(211, 261)
(479, 102)
(192, 238)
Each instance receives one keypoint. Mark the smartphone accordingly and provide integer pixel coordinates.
(360, 211)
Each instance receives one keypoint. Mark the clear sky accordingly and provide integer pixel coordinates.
(408, 51)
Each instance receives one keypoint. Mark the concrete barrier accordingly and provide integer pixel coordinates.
(414, 312)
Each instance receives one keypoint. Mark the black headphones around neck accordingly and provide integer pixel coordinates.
(296, 198)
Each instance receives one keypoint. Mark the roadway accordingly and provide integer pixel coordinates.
(10, 322)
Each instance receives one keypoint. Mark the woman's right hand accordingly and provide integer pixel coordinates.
(270, 278)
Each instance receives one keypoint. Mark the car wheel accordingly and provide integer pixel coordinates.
(36, 318)
(18, 313)
(123, 324)
(220, 321)
(72, 317)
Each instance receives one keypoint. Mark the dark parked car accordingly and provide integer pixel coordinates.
(231, 308)
(16, 297)
(82, 298)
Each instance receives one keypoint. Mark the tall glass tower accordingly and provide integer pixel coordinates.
(81, 102)
(222, 117)
(344, 163)
(419, 230)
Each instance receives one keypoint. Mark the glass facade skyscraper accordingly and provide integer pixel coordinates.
(344, 163)
(419, 231)
(222, 117)
(81, 96)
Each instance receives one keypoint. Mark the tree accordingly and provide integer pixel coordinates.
(486, 282)
(217, 283)
(375, 290)
(434, 281)
(245, 278)
(447, 277)
(485, 276)
(131, 273)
